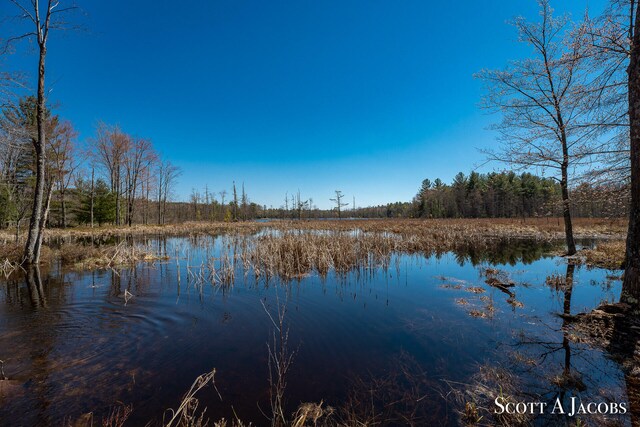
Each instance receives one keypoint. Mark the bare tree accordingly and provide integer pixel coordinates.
(40, 23)
(301, 205)
(63, 163)
(544, 102)
(223, 194)
(608, 38)
(235, 202)
(244, 203)
(137, 159)
(167, 177)
(338, 201)
(614, 39)
(111, 147)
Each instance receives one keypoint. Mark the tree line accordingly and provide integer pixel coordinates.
(512, 195)
(115, 178)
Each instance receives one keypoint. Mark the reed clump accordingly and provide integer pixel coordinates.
(296, 254)
(13, 253)
(609, 255)
(90, 257)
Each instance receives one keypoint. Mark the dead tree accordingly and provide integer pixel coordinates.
(339, 203)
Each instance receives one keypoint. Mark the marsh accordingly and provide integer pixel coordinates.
(375, 328)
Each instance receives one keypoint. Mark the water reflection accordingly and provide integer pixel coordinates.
(75, 343)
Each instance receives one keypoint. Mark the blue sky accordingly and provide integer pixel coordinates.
(369, 97)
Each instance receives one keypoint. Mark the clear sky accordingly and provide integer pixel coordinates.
(369, 97)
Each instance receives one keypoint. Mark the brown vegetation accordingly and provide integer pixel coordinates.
(89, 257)
(433, 230)
(608, 255)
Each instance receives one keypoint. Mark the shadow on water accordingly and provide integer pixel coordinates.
(379, 343)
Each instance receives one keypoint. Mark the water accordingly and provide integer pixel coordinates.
(76, 342)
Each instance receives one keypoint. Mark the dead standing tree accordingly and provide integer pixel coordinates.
(543, 102)
(41, 22)
(339, 203)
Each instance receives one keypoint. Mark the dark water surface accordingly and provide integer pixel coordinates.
(72, 343)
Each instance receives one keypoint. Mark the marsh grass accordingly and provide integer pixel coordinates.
(294, 255)
(88, 257)
(188, 412)
(476, 399)
(609, 255)
(433, 230)
(292, 250)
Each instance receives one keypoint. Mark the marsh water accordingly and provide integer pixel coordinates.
(410, 332)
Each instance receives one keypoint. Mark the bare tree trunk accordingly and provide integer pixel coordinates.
(566, 212)
(130, 212)
(118, 196)
(631, 284)
(43, 222)
(63, 207)
(32, 250)
(92, 197)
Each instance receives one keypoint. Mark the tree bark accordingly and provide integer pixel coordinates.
(91, 197)
(631, 283)
(43, 222)
(63, 207)
(32, 249)
(117, 187)
(566, 212)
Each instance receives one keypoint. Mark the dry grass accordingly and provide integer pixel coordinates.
(608, 255)
(476, 399)
(295, 254)
(187, 414)
(437, 229)
(13, 252)
(90, 257)
(294, 249)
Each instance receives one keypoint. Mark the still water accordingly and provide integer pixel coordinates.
(80, 342)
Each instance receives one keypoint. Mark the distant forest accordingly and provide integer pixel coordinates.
(117, 178)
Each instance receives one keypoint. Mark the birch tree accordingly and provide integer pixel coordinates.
(40, 21)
